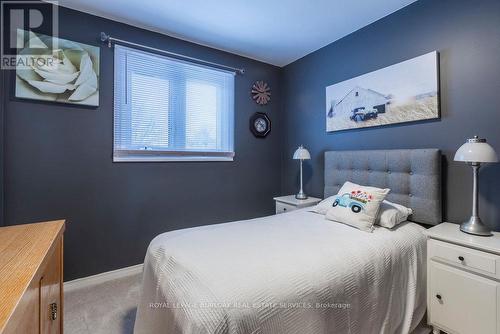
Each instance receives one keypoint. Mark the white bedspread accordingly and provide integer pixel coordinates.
(288, 273)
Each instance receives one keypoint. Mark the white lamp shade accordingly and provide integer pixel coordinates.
(301, 154)
(476, 150)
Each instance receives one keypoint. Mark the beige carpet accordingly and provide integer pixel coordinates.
(107, 308)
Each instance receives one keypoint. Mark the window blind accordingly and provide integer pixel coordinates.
(167, 109)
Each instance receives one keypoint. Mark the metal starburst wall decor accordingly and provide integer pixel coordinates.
(261, 92)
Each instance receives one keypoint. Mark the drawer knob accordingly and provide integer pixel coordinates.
(284, 209)
(438, 296)
(461, 258)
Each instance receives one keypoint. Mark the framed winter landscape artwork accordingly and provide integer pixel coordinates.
(54, 69)
(404, 92)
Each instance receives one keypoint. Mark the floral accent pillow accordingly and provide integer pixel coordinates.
(357, 205)
(323, 206)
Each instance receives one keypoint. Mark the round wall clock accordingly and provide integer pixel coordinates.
(260, 125)
(261, 92)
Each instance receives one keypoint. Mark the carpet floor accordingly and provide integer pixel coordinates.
(107, 308)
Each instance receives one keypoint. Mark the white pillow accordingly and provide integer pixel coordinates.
(323, 206)
(392, 214)
(357, 206)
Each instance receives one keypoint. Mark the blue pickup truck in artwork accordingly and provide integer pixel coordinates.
(348, 201)
(363, 114)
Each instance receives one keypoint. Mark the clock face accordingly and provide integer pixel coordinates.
(260, 124)
(261, 92)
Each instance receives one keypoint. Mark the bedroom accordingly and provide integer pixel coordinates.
(60, 160)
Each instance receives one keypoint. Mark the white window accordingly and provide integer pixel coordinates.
(167, 109)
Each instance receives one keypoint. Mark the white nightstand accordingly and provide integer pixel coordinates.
(290, 203)
(463, 281)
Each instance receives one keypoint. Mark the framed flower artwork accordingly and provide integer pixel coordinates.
(54, 69)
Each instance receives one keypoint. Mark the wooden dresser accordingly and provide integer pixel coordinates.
(31, 278)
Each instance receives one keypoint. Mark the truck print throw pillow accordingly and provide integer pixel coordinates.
(357, 205)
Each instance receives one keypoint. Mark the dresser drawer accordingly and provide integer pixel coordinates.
(467, 258)
(283, 207)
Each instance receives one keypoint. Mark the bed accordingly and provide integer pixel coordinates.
(297, 272)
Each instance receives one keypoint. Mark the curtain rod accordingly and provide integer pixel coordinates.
(110, 40)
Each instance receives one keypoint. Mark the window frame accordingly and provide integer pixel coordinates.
(172, 155)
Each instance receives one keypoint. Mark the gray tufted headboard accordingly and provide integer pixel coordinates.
(414, 177)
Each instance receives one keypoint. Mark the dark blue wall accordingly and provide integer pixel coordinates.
(57, 158)
(467, 35)
(58, 163)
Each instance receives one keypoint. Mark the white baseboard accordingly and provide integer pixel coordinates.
(102, 278)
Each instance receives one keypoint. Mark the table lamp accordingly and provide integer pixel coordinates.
(474, 152)
(301, 154)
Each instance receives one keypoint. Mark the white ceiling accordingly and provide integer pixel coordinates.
(277, 32)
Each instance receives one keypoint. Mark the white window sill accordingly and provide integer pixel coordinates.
(169, 159)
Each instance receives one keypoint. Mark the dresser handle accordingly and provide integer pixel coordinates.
(284, 209)
(438, 297)
(461, 258)
(53, 311)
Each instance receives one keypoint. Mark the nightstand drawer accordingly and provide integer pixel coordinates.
(463, 257)
(283, 207)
